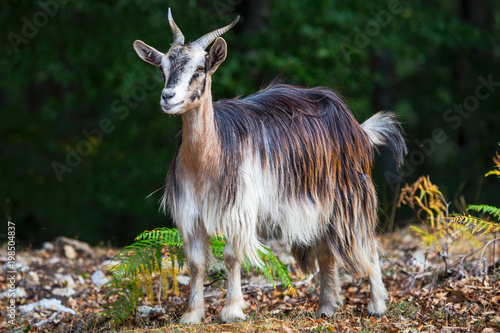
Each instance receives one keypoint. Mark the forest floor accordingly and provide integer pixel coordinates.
(63, 275)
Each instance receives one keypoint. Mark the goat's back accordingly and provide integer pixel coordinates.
(307, 137)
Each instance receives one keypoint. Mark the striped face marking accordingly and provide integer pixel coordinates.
(184, 71)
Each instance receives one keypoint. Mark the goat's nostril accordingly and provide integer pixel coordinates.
(166, 96)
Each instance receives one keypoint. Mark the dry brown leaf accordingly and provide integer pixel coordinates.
(488, 330)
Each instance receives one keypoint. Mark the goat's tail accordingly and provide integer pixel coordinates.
(384, 129)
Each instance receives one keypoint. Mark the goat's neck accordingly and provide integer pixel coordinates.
(200, 149)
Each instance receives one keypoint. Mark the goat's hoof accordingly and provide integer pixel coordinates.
(231, 314)
(192, 317)
(375, 315)
(328, 310)
(376, 309)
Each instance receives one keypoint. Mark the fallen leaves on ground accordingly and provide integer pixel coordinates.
(420, 299)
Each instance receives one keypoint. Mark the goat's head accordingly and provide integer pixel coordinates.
(186, 68)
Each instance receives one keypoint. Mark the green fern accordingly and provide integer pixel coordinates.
(217, 244)
(486, 209)
(126, 298)
(139, 260)
(273, 270)
(159, 253)
(154, 253)
(170, 237)
(476, 224)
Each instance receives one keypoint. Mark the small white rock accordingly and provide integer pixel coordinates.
(45, 304)
(69, 251)
(81, 280)
(99, 279)
(48, 246)
(17, 266)
(108, 264)
(19, 292)
(64, 280)
(33, 279)
(54, 260)
(66, 291)
(146, 311)
(183, 279)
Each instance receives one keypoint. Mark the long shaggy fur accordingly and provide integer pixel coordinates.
(293, 162)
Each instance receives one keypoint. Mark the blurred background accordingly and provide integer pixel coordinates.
(83, 140)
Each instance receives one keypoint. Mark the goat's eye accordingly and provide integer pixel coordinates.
(200, 69)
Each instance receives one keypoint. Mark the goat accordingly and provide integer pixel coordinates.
(286, 160)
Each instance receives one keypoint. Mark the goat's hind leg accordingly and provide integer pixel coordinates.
(330, 299)
(196, 252)
(378, 293)
(233, 310)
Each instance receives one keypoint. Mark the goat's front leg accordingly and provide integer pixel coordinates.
(196, 252)
(233, 310)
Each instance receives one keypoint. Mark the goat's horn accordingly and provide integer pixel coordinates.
(178, 36)
(205, 40)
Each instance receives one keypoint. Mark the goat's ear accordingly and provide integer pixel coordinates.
(148, 53)
(217, 54)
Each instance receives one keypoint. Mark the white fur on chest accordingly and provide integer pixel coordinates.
(259, 204)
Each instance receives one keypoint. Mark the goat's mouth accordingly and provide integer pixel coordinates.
(168, 108)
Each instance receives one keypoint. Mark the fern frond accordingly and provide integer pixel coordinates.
(428, 239)
(424, 198)
(217, 244)
(460, 231)
(486, 209)
(492, 172)
(165, 236)
(126, 298)
(140, 264)
(273, 270)
(476, 224)
(495, 171)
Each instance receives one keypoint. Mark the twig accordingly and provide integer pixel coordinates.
(485, 246)
(494, 250)
(472, 252)
(477, 287)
